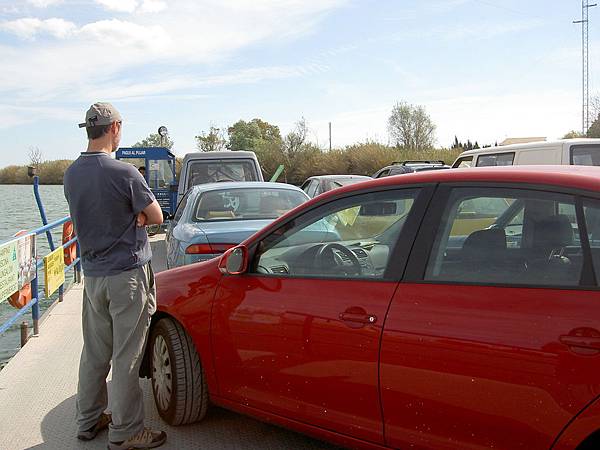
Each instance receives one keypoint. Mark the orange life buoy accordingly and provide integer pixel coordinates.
(71, 251)
(23, 295)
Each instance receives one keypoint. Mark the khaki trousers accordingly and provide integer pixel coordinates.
(116, 316)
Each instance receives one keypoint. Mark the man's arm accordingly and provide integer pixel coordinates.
(151, 215)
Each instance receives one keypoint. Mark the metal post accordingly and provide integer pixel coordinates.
(38, 199)
(35, 309)
(24, 333)
(585, 71)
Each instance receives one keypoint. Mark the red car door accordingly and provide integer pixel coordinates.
(494, 339)
(299, 334)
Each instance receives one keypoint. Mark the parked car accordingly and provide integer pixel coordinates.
(404, 329)
(578, 152)
(402, 167)
(214, 217)
(316, 185)
(214, 167)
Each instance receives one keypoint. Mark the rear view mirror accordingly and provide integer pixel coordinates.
(234, 261)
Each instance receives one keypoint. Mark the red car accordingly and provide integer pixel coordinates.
(451, 309)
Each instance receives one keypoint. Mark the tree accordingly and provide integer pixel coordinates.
(35, 156)
(410, 127)
(573, 134)
(155, 140)
(594, 130)
(248, 135)
(212, 141)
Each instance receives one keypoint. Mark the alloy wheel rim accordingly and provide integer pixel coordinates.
(162, 379)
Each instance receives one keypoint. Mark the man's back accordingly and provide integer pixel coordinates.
(105, 196)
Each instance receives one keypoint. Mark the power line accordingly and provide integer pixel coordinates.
(585, 72)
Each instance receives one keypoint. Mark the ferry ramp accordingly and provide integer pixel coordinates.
(38, 388)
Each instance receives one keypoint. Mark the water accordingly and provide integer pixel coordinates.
(18, 211)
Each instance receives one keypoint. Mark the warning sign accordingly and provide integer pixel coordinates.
(54, 271)
(9, 270)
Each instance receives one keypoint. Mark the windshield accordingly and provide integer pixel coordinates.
(585, 155)
(246, 204)
(202, 172)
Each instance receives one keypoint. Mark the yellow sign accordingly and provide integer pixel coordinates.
(9, 270)
(54, 271)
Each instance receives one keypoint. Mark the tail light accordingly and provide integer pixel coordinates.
(208, 249)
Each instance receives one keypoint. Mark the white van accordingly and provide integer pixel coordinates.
(213, 167)
(579, 152)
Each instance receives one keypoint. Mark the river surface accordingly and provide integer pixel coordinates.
(18, 211)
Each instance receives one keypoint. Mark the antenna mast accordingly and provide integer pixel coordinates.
(585, 6)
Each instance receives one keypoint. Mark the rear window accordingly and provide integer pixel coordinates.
(246, 204)
(202, 172)
(496, 159)
(585, 155)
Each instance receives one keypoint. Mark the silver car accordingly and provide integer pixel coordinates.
(214, 217)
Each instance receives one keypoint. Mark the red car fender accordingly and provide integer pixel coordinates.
(186, 294)
(581, 427)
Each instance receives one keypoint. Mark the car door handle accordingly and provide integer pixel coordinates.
(358, 318)
(581, 341)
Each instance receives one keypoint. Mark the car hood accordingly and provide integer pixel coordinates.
(222, 232)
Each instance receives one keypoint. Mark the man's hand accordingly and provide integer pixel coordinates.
(142, 220)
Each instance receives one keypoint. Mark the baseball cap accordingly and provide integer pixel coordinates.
(100, 114)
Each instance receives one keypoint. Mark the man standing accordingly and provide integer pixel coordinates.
(110, 204)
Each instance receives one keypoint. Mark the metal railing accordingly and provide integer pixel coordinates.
(34, 304)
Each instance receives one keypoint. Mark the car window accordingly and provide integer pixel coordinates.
(351, 237)
(246, 204)
(181, 207)
(507, 236)
(312, 187)
(498, 159)
(466, 161)
(585, 155)
(383, 173)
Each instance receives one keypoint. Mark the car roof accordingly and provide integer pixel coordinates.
(243, 185)
(228, 154)
(527, 145)
(578, 177)
(334, 177)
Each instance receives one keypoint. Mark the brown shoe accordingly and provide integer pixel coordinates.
(146, 438)
(103, 422)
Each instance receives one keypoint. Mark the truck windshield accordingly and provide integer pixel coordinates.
(201, 172)
(585, 155)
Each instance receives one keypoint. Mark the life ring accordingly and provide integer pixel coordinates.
(23, 295)
(70, 251)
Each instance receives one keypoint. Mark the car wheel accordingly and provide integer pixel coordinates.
(178, 382)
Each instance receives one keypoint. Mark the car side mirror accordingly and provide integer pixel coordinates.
(234, 261)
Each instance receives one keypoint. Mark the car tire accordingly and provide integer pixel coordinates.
(178, 381)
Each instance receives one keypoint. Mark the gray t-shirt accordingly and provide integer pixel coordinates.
(105, 196)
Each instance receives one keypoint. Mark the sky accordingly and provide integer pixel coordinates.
(483, 69)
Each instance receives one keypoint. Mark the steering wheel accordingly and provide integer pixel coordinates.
(328, 248)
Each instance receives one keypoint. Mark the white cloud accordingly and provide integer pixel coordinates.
(29, 27)
(44, 3)
(119, 33)
(119, 5)
(153, 6)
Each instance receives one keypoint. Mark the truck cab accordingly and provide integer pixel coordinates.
(214, 167)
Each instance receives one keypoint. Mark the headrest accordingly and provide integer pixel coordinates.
(483, 242)
(554, 231)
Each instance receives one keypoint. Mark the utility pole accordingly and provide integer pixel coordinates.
(329, 136)
(585, 6)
